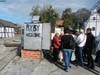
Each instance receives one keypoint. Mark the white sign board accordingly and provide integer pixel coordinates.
(32, 36)
(46, 33)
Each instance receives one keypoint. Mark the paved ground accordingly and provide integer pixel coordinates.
(20, 67)
(44, 67)
(6, 53)
(47, 68)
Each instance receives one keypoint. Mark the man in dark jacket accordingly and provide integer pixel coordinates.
(68, 44)
(89, 48)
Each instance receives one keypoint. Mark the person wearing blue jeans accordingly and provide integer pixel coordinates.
(68, 44)
(67, 55)
(81, 40)
(80, 56)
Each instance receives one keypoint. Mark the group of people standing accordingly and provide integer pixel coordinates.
(79, 42)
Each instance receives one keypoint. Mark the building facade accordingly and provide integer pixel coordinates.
(7, 29)
(94, 21)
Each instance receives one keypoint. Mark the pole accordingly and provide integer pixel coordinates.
(96, 32)
(96, 25)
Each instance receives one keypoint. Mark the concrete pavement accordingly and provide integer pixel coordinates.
(20, 67)
(6, 55)
(43, 67)
(47, 68)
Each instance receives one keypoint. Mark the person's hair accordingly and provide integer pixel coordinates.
(66, 30)
(89, 29)
(81, 31)
(57, 34)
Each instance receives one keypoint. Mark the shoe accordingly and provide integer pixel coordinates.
(70, 66)
(99, 65)
(67, 70)
(55, 62)
(77, 66)
(82, 65)
(92, 68)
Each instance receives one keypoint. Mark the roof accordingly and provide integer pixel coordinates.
(59, 22)
(7, 23)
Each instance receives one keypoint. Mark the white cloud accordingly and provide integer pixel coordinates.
(24, 7)
(17, 7)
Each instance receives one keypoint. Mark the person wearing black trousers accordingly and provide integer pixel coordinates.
(89, 46)
(56, 46)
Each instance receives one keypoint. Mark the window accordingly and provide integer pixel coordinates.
(94, 18)
(93, 28)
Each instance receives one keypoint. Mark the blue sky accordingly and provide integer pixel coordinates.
(18, 11)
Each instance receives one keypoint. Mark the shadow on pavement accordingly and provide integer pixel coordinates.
(60, 65)
(48, 55)
(92, 70)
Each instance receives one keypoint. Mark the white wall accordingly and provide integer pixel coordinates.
(0, 32)
(94, 23)
(59, 29)
(7, 32)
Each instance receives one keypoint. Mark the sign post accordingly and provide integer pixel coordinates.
(36, 36)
